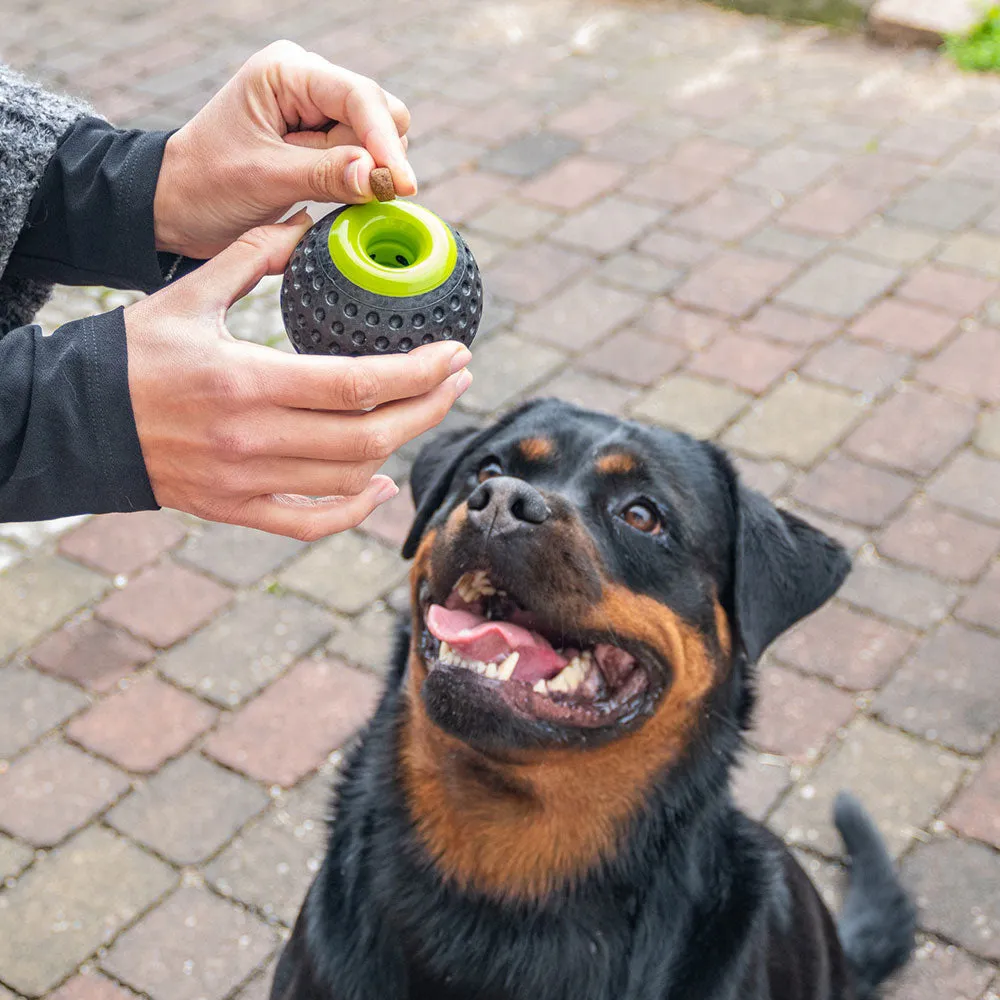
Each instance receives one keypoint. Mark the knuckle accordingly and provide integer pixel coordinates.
(307, 531)
(354, 481)
(377, 445)
(361, 388)
(325, 174)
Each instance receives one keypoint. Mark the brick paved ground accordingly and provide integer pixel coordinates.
(787, 241)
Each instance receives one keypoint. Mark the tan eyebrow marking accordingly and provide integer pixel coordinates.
(536, 449)
(616, 463)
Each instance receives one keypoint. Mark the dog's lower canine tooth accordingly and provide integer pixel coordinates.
(491, 671)
(506, 669)
(540, 687)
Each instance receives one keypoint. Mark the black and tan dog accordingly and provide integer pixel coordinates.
(540, 808)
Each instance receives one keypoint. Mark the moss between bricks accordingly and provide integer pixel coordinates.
(979, 50)
(838, 13)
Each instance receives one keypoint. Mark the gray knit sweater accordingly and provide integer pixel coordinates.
(31, 122)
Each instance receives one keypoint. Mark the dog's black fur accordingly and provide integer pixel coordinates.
(696, 902)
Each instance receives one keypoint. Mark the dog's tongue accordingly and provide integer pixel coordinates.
(474, 637)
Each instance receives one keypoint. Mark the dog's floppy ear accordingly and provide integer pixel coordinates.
(431, 476)
(784, 569)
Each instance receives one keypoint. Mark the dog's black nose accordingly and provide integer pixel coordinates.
(503, 505)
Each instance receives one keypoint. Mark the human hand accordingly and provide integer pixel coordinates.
(245, 434)
(260, 145)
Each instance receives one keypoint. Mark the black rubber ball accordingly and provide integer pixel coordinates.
(378, 279)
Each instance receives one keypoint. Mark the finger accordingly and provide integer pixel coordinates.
(309, 520)
(332, 439)
(305, 477)
(399, 111)
(233, 272)
(339, 135)
(312, 382)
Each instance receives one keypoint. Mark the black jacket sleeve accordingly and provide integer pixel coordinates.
(91, 217)
(68, 442)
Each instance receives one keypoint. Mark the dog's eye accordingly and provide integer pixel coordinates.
(489, 469)
(642, 517)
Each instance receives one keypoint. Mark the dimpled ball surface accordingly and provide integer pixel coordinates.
(325, 313)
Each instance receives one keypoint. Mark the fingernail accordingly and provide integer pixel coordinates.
(352, 177)
(459, 360)
(462, 383)
(388, 491)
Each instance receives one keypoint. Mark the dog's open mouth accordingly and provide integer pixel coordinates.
(562, 679)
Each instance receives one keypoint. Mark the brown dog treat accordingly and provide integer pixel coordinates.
(382, 186)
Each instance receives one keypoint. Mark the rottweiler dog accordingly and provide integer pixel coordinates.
(540, 807)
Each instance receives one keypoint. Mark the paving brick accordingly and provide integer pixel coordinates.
(530, 155)
(914, 430)
(194, 947)
(769, 478)
(676, 248)
(940, 541)
(901, 782)
(293, 726)
(728, 214)
(949, 691)
(188, 810)
(970, 483)
(580, 316)
(596, 114)
(957, 888)
(75, 899)
(14, 858)
(459, 198)
(319, 573)
(748, 362)
(849, 648)
(968, 365)
(30, 705)
(610, 224)
(758, 783)
(509, 218)
(495, 123)
(973, 251)
(122, 543)
(855, 366)
(143, 726)
(937, 970)
(839, 285)
(91, 986)
(976, 811)
(988, 435)
(53, 790)
(953, 292)
(926, 137)
(38, 593)
(881, 171)
(797, 422)
(796, 716)
(905, 325)
(637, 272)
(390, 522)
(789, 169)
(895, 244)
(532, 273)
(690, 330)
(835, 209)
(635, 144)
(633, 357)
(789, 327)
(899, 594)
(506, 367)
(33, 534)
(592, 391)
(982, 605)
(366, 641)
(943, 203)
(247, 647)
(164, 603)
(440, 155)
(272, 862)
(733, 283)
(671, 186)
(692, 405)
(785, 243)
(706, 154)
(90, 653)
(574, 182)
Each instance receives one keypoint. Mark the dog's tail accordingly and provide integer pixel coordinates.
(878, 921)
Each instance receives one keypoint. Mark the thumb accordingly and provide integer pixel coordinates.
(337, 173)
(233, 272)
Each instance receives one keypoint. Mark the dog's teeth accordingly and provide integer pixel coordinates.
(540, 687)
(491, 671)
(445, 653)
(570, 677)
(506, 669)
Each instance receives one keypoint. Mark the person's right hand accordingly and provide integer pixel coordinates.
(245, 434)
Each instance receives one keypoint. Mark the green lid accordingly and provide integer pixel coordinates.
(392, 248)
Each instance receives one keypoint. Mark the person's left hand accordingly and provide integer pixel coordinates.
(265, 142)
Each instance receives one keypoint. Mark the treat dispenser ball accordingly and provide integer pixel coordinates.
(380, 278)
